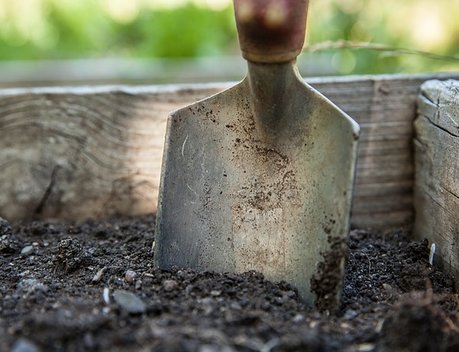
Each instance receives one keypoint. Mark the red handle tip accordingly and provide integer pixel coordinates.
(271, 30)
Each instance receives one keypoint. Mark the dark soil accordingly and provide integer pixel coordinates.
(92, 286)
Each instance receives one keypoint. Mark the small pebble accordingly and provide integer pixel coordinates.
(350, 314)
(88, 341)
(235, 306)
(298, 318)
(129, 302)
(169, 285)
(366, 347)
(215, 293)
(24, 345)
(189, 289)
(214, 348)
(31, 285)
(129, 276)
(99, 275)
(27, 250)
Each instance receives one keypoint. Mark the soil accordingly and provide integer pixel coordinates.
(91, 286)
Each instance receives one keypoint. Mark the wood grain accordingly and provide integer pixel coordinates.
(437, 170)
(74, 153)
(385, 108)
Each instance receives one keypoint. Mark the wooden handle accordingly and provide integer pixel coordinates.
(271, 31)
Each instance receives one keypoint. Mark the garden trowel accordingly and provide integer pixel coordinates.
(260, 176)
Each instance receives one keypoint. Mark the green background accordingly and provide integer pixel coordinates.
(74, 29)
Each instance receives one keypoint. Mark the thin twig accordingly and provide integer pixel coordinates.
(49, 189)
(389, 50)
(369, 264)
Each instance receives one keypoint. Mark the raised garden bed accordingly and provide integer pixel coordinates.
(68, 154)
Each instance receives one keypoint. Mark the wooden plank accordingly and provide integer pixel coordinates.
(402, 219)
(384, 189)
(385, 106)
(74, 153)
(437, 170)
(92, 71)
(381, 147)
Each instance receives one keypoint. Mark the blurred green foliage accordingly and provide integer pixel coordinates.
(418, 25)
(84, 29)
(191, 31)
(63, 29)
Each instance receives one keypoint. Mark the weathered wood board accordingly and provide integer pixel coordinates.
(73, 153)
(437, 170)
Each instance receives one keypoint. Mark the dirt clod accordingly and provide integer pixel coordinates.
(325, 284)
(419, 324)
(169, 285)
(5, 227)
(8, 242)
(69, 255)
